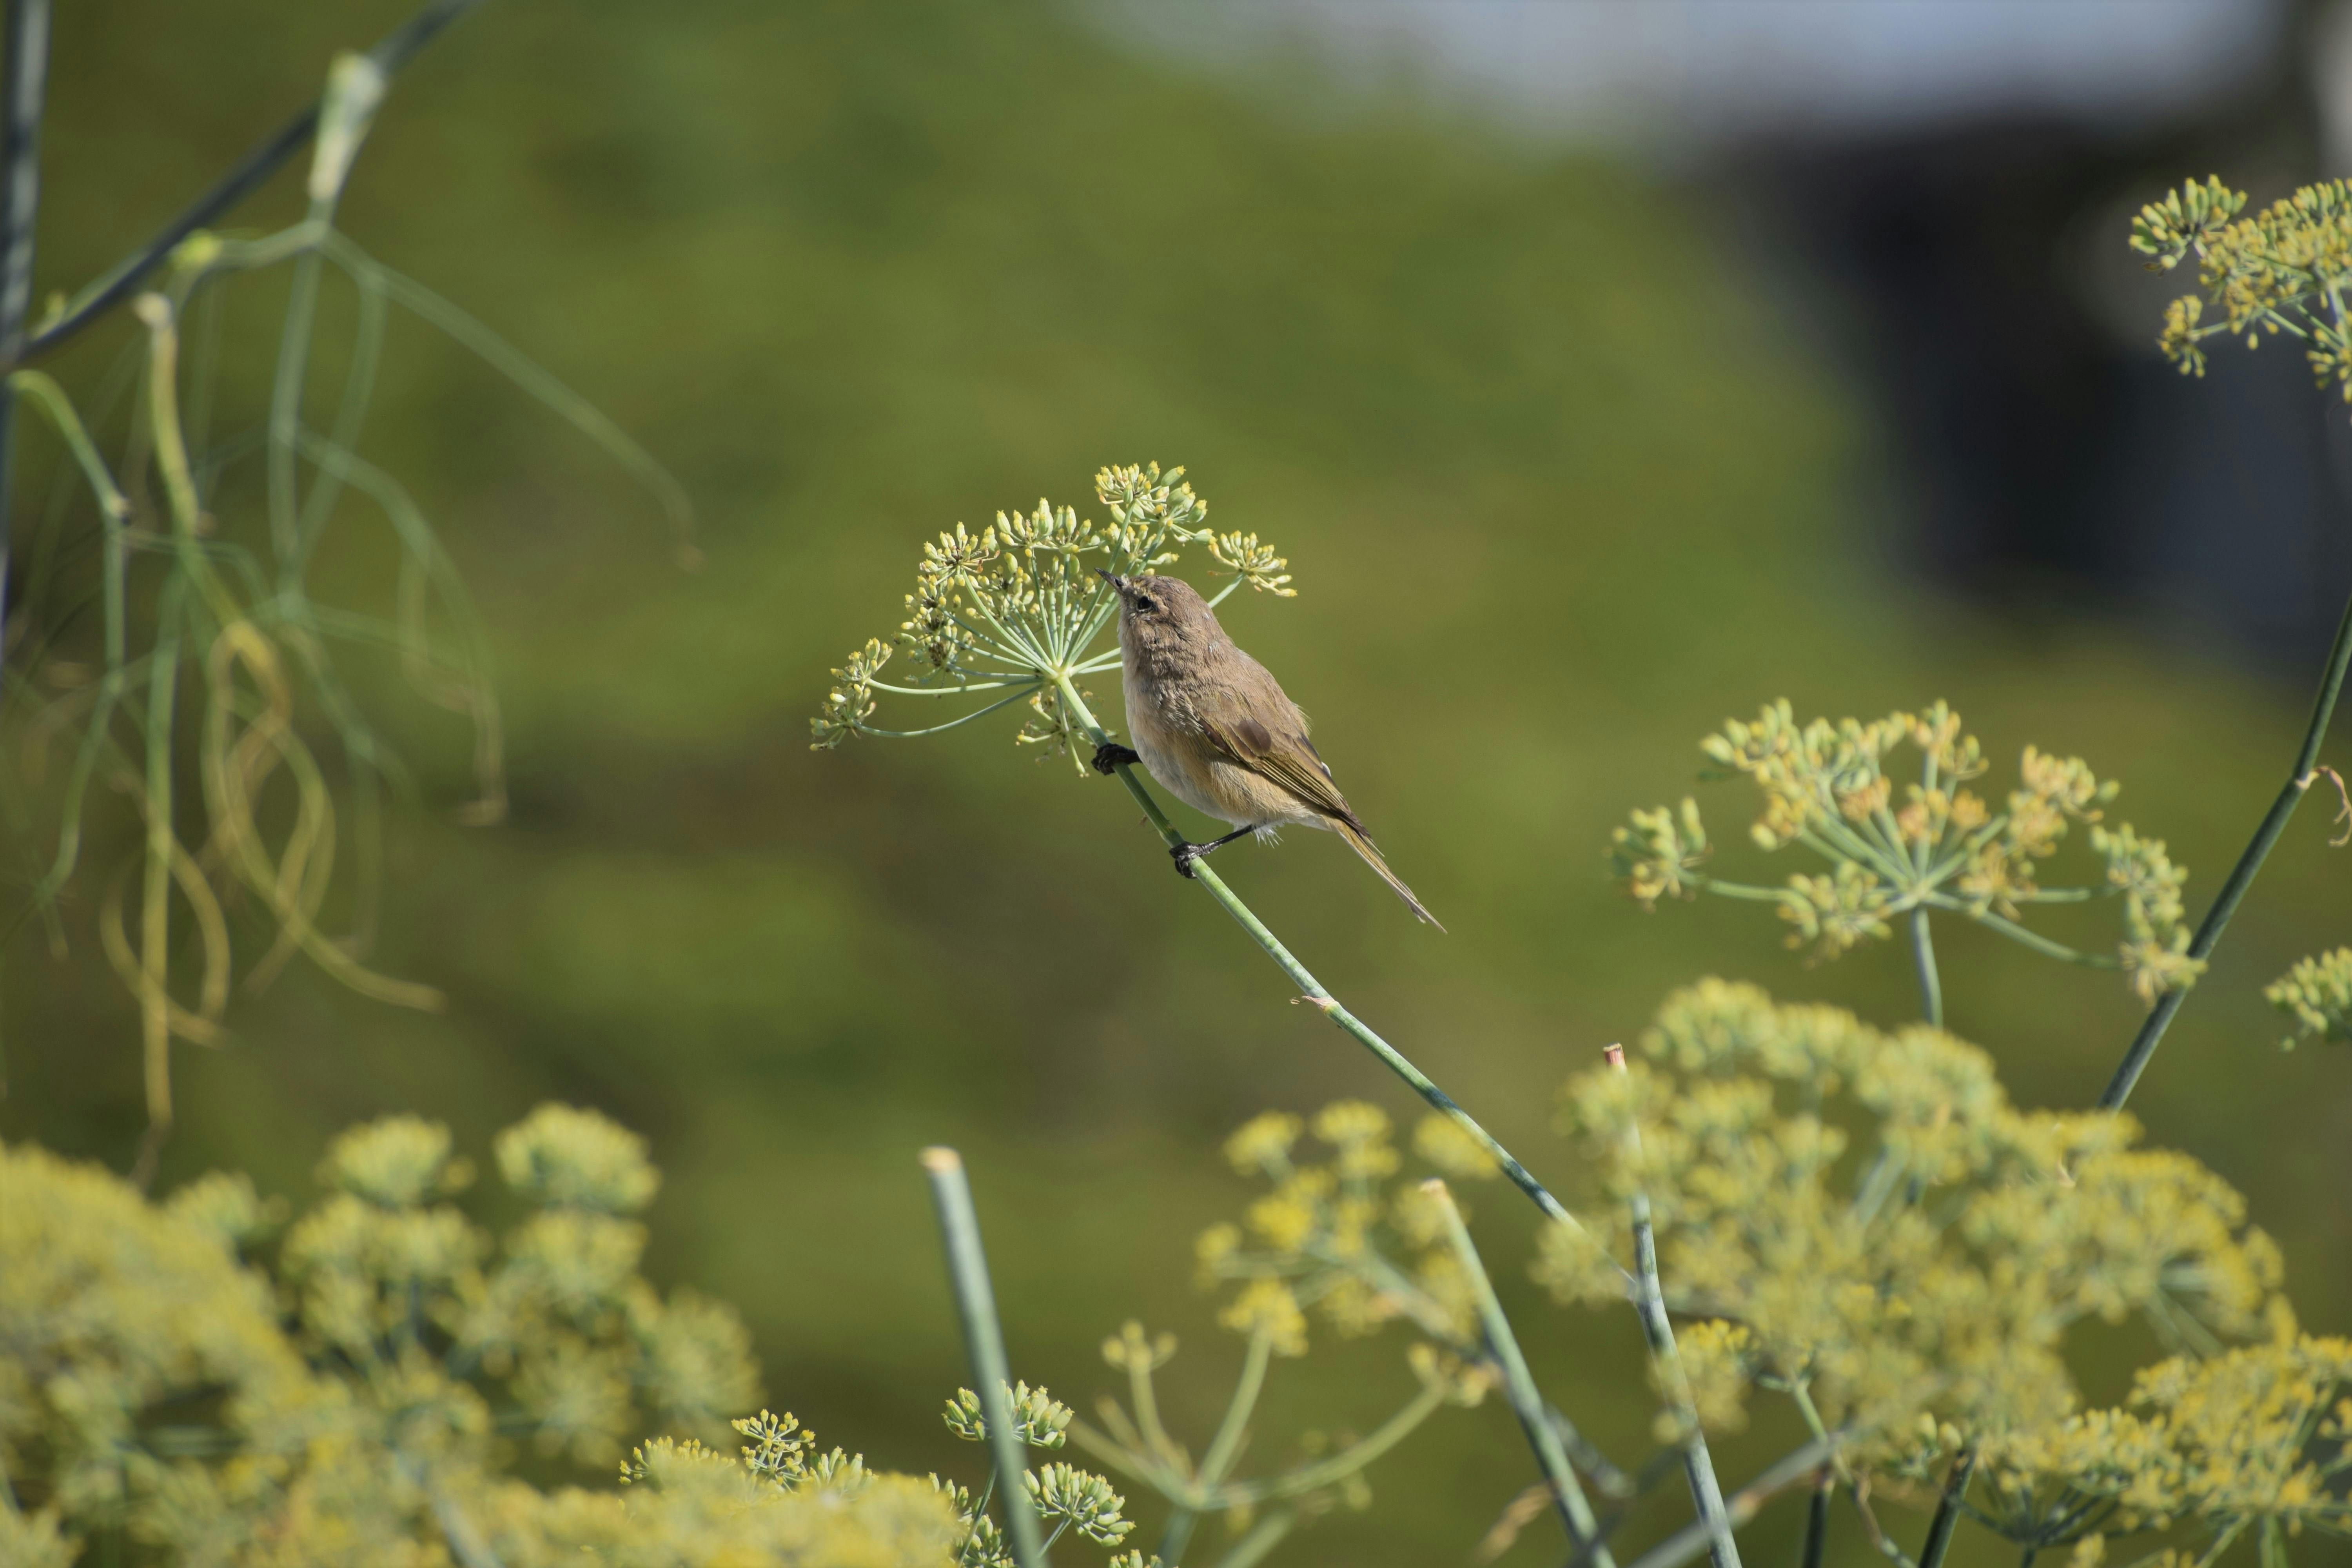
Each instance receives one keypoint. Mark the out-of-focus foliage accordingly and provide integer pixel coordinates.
(158, 1386)
(191, 592)
(1020, 608)
(1937, 846)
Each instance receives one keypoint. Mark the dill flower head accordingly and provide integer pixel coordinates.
(1020, 610)
(1868, 1218)
(1937, 841)
(2281, 271)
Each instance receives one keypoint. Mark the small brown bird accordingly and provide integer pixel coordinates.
(1217, 730)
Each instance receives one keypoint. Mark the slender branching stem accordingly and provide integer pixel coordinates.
(1519, 1387)
(1310, 987)
(2242, 875)
(1923, 956)
(1323, 1472)
(984, 1346)
(2019, 934)
(1947, 1511)
(1692, 1539)
(1658, 1329)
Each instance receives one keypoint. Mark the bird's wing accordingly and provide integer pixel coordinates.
(1279, 755)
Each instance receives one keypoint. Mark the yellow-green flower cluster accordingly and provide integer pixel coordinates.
(2317, 993)
(1872, 1222)
(388, 1279)
(683, 1503)
(1019, 608)
(2256, 1438)
(154, 1384)
(1336, 1233)
(1064, 1495)
(2282, 270)
(1933, 843)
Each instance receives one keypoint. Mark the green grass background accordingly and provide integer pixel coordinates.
(1562, 488)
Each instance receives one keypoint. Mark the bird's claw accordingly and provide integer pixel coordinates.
(1111, 756)
(1184, 854)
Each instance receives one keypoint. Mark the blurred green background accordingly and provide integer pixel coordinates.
(1563, 484)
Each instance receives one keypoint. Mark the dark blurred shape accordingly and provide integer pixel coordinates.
(1972, 276)
(1944, 188)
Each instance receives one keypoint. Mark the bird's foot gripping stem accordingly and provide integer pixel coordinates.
(1185, 855)
(1111, 755)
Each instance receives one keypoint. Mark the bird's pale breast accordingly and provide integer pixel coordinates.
(1181, 761)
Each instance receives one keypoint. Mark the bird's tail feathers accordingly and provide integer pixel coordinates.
(1363, 845)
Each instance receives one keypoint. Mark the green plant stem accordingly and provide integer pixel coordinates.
(1817, 1518)
(1692, 1539)
(984, 1345)
(1923, 956)
(22, 91)
(2242, 875)
(1339, 1466)
(2022, 935)
(1658, 1329)
(1262, 1539)
(1310, 987)
(1947, 1511)
(1389, 1280)
(1224, 1449)
(1519, 1384)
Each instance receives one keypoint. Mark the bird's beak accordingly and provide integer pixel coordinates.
(1118, 583)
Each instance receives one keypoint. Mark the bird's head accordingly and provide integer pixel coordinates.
(1162, 613)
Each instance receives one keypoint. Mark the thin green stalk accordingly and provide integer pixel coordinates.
(1176, 1537)
(1817, 1518)
(2019, 934)
(984, 1345)
(1262, 1539)
(1310, 987)
(1923, 954)
(155, 935)
(1658, 1329)
(1519, 1384)
(1692, 1539)
(1947, 1511)
(2242, 875)
(1225, 1446)
(1323, 1472)
(1389, 1280)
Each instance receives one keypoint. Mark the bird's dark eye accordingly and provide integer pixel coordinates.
(1143, 604)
